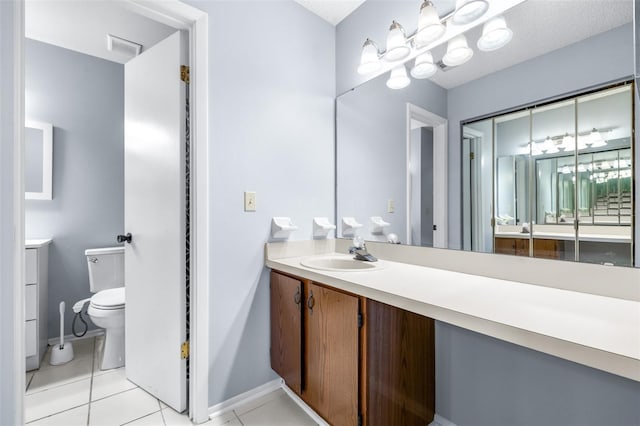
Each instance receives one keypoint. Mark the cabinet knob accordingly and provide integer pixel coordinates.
(311, 301)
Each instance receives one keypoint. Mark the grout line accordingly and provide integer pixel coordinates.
(30, 380)
(56, 413)
(93, 361)
(114, 394)
(142, 417)
(164, 421)
(237, 417)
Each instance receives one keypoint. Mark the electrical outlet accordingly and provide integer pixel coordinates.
(390, 205)
(249, 201)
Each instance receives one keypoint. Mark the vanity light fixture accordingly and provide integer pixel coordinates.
(431, 29)
(369, 60)
(468, 11)
(398, 78)
(397, 48)
(424, 66)
(458, 51)
(429, 26)
(568, 142)
(495, 34)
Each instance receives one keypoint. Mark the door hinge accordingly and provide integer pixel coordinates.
(184, 73)
(360, 320)
(472, 155)
(184, 350)
(435, 227)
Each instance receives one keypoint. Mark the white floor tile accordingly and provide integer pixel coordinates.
(281, 411)
(258, 402)
(82, 348)
(55, 400)
(122, 408)
(154, 419)
(52, 376)
(171, 418)
(110, 383)
(228, 418)
(74, 417)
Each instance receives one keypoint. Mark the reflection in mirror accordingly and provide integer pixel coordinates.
(38, 155)
(579, 205)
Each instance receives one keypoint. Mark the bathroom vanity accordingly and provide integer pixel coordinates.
(36, 299)
(353, 360)
(559, 308)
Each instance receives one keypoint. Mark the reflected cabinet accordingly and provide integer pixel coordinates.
(554, 180)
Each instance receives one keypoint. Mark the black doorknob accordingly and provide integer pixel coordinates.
(123, 238)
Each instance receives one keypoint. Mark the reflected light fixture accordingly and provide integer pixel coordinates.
(397, 48)
(595, 139)
(468, 11)
(568, 142)
(398, 78)
(458, 51)
(369, 60)
(495, 34)
(429, 26)
(424, 66)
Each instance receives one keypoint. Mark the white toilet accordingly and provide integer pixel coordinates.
(106, 308)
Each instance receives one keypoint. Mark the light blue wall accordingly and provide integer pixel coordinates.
(272, 90)
(11, 315)
(83, 98)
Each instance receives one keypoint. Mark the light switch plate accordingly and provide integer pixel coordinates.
(249, 201)
(390, 206)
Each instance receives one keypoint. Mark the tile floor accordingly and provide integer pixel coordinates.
(79, 393)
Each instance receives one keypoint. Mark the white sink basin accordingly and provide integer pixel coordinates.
(340, 263)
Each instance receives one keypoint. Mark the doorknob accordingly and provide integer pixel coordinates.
(123, 238)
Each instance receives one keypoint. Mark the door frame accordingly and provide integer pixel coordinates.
(180, 16)
(440, 166)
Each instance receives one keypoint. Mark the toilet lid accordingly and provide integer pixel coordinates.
(112, 298)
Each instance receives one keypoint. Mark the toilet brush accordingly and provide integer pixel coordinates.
(63, 352)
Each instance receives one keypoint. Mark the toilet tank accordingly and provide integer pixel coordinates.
(106, 268)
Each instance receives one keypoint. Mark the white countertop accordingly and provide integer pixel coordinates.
(604, 238)
(599, 331)
(37, 243)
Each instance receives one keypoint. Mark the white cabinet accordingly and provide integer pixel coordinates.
(36, 299)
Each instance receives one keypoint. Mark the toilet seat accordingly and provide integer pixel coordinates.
(111, 299)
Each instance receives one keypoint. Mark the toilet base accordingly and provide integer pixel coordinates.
(113, 350)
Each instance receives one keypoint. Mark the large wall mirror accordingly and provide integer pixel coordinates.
(563, 80)
(38, 155)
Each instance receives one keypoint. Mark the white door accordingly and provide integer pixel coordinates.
(155, 266)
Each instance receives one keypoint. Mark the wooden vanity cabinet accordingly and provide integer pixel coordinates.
(512, 246)
(353, 360)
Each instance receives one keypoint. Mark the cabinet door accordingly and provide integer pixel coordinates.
(400, 366)
(505, 245)
(546, 249)
(331, 343)
(286, 329)
(522, 247)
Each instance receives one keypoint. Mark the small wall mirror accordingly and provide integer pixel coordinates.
(38, 160)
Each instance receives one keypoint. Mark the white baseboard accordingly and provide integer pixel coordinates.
(316, 418)
(255, 393)
(71, 337)
(245, 397)
(441, 421)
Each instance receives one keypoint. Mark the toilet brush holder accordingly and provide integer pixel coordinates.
(62, 352)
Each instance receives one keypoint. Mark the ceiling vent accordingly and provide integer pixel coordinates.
(122, 46)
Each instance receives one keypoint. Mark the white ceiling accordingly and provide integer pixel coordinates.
(332, 11)
(83, 26)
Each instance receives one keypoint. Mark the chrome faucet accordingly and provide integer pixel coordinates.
(360, 251)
